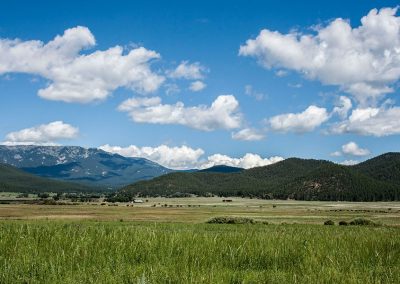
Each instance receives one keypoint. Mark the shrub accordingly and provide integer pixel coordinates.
(343, 223)
(43, 195)
(231, 220)
(329, 223)
(362, 222)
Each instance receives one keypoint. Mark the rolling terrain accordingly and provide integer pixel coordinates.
(16, 180)
(373, 180)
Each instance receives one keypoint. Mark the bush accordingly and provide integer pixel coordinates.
(43, 195)
(329, 223)
(231, 220)
(362, 222)
(343, 223)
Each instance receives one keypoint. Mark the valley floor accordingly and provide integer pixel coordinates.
(199, 210)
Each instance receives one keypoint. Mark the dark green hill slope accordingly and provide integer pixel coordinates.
(15, 180)
(385, 167)
(292, 178)
(222, 169)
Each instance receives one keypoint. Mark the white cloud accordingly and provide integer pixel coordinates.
(44, 134)
(222, 114)
(171, 89)
(281, 73)
(185, 157)
(133, 103)
(249, 91)
(342, 107)
(349, 162)
(80, 77)
(247, 161)
(171, 157)
(197, 86)
(353, 149)
(302, 122)
(185, 70)
(295, 85)
(370, 121)
(363, 61)
(336, 154)
(248, 134)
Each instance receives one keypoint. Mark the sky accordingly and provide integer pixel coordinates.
(191, 84)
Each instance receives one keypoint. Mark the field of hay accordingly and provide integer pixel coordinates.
(199, 210)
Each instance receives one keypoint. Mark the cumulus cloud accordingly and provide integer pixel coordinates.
(185, 157)
(80, 77)
(44, 134)
(247, 161)
(171, 157)
(370, 121)
(353, 149)
(188, 71)
(342, 107)
(197, 86)
(248, 134)
(363, 61)
(305, 121)
(349, 162)
(222, 114)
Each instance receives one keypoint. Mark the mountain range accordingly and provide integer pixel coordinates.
(73, 169)
(93, 167)
(293, 178)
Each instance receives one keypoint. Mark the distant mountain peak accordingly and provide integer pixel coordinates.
(86, 165)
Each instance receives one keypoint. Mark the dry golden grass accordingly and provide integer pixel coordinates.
(198, 210)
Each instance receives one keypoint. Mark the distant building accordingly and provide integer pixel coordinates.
(137, 201)
(227, 200)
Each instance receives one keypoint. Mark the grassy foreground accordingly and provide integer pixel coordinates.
(128, 252)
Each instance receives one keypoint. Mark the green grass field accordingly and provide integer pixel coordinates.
(94, 243)
(128, 252)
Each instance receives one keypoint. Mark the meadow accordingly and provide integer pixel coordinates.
(124, 252)
(201, 209)
(171, 243)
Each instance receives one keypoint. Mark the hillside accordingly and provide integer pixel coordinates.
(222, 169)
(385, 167)
(292, 178)
(15, 180)
(93, 167)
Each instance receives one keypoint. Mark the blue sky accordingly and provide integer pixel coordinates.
(274, 92)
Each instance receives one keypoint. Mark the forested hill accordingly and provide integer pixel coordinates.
(222, 169)
(16, 180)
(375, 179)
(385, 167)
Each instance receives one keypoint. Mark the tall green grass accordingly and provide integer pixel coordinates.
(121, 252)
